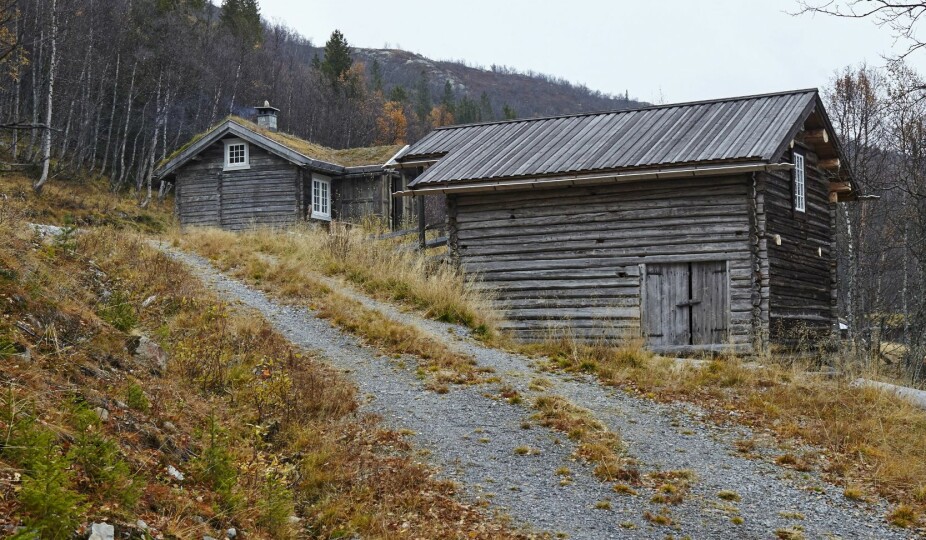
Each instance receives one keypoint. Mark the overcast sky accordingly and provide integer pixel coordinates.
(659, 51)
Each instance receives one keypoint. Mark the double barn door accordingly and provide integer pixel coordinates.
(685, 304)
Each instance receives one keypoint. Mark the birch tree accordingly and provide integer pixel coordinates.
(50, 99)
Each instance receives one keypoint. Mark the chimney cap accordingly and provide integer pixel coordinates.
(266, 108)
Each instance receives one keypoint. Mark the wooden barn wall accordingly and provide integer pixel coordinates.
(266, 194)
(801, 282)
(574, 254)
(353, 198)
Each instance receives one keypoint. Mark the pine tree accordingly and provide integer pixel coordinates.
(398, 94)
(485, 108)
(509, 112)
(242, 18)
(376, 76)
(337, 61)
(448, 99)
(423, 96)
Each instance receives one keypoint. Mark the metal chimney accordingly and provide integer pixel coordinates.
(267, 116)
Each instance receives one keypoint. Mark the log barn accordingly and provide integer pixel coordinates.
(241, 174)
(700, 226)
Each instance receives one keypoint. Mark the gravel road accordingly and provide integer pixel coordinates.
(471, 436)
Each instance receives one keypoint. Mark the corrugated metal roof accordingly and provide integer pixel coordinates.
(725, 130)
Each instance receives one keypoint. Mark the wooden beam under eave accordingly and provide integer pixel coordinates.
(840, 192)
(816, 136)
(829, 164)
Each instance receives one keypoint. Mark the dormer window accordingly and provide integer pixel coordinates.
(236, 155)
(800, 189)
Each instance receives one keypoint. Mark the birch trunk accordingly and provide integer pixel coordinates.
(149, 167)
(34, 132)
(112, 117)
(18, 84)
(52, 67)
(125, 133)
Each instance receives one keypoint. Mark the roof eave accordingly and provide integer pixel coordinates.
(663, 173)
(845, 171)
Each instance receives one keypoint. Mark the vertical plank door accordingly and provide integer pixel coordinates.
(665, 322)
(708, 303)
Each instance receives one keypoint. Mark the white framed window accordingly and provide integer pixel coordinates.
(237, 155)
(321, 198)
(800, 185)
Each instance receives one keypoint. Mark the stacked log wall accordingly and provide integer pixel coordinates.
(571, 257)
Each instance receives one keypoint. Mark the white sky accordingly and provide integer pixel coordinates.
(659, 50)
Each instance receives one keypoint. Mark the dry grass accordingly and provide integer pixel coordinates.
(671, 486)
(299, 446)
(904, 516)
(81, 203)
(596, 443)
(385, 269)
(663, 517)
(869, 437)
(282, 264)
(624, 489)
(728, 495)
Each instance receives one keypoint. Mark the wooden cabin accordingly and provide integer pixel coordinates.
(241, 174)
(700, 226)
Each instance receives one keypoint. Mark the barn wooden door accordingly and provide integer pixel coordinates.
(709, 303)
(685, 304)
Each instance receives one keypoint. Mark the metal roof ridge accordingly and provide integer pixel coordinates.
(632, 109)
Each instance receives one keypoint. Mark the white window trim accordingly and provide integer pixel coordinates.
(800, 183)
(247, 155)
(320, 214)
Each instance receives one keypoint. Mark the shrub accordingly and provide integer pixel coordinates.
(100, 458)
(135, 398)
(215, 466)
(7, 347)
(53, 508)
(276, 506)
(119, 312)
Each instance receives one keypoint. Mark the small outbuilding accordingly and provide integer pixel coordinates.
(699, 226)
(241, 174)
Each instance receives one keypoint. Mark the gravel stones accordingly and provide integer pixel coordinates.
(471, 436)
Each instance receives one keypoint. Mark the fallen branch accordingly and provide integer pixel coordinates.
(917, 397)
(27, 126)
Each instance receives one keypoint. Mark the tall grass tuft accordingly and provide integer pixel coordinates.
(389, 269)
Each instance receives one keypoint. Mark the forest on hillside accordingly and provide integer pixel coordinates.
(121, 83)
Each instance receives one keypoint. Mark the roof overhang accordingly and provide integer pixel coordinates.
(666, 173)
(842, 185)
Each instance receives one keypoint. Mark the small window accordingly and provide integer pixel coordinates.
(800, 191)
(236, 155)
(321, 198)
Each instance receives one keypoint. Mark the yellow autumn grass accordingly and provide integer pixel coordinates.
(386, 269)
(870, 438)
(289, 262)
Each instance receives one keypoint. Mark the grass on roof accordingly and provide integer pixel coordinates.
(348, 157)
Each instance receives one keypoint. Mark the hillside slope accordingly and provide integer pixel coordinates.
(133, 396)
(529, 94)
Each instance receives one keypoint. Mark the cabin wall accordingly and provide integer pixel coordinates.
(268, 193)
(572, 256)
(802, 290)
(354, 198)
